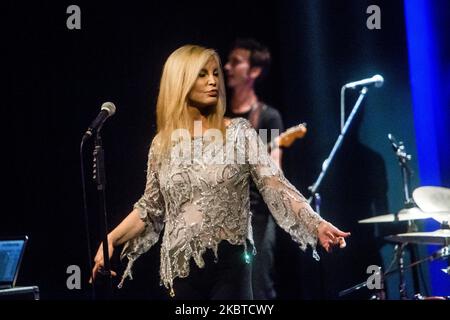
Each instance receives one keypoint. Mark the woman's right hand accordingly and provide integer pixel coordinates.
(99, 261)
(330, 236)
(128, 229)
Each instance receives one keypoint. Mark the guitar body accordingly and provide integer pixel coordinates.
(287, 138)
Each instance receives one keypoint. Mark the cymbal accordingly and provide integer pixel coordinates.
(403, 215)
(432, 199)
(441, 217)
(438, 237)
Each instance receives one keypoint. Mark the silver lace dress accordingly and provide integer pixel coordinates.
(201, 203)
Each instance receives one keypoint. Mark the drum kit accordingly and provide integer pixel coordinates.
(427, 202)
(432, 203)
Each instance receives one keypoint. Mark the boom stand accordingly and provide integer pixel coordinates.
(326, 164)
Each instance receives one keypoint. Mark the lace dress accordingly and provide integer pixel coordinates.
(205, 200)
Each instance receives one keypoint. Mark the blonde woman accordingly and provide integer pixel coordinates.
(202, 203)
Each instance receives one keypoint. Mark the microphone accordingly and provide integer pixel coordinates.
(107, 110)
(377, 80)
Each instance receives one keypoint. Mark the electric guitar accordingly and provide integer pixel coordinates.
(287, 138)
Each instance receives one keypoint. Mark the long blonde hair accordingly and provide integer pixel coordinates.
(180, 72)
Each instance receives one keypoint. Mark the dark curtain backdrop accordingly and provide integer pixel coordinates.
(57, 79)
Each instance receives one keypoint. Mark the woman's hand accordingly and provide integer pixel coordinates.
(99, 262)
(330, 236)
(128, 229)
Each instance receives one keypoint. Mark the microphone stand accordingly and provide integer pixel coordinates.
(100, 179)
(315, 195)
(326, 164)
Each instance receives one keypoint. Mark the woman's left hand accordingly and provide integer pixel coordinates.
(330, 236)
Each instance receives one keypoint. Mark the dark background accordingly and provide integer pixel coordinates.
(57, 80)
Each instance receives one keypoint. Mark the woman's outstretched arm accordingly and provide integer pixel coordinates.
(289, 207)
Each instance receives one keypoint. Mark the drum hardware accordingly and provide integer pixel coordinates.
(420, 297)
(426, 202)
(403, 160)
(439, 254)
(409, 213)
(436, 201)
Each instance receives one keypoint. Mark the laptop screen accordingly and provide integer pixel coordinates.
(11, 252)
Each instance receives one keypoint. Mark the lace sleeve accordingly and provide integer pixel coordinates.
(287, 205)
(151, 211)
(151, 203)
